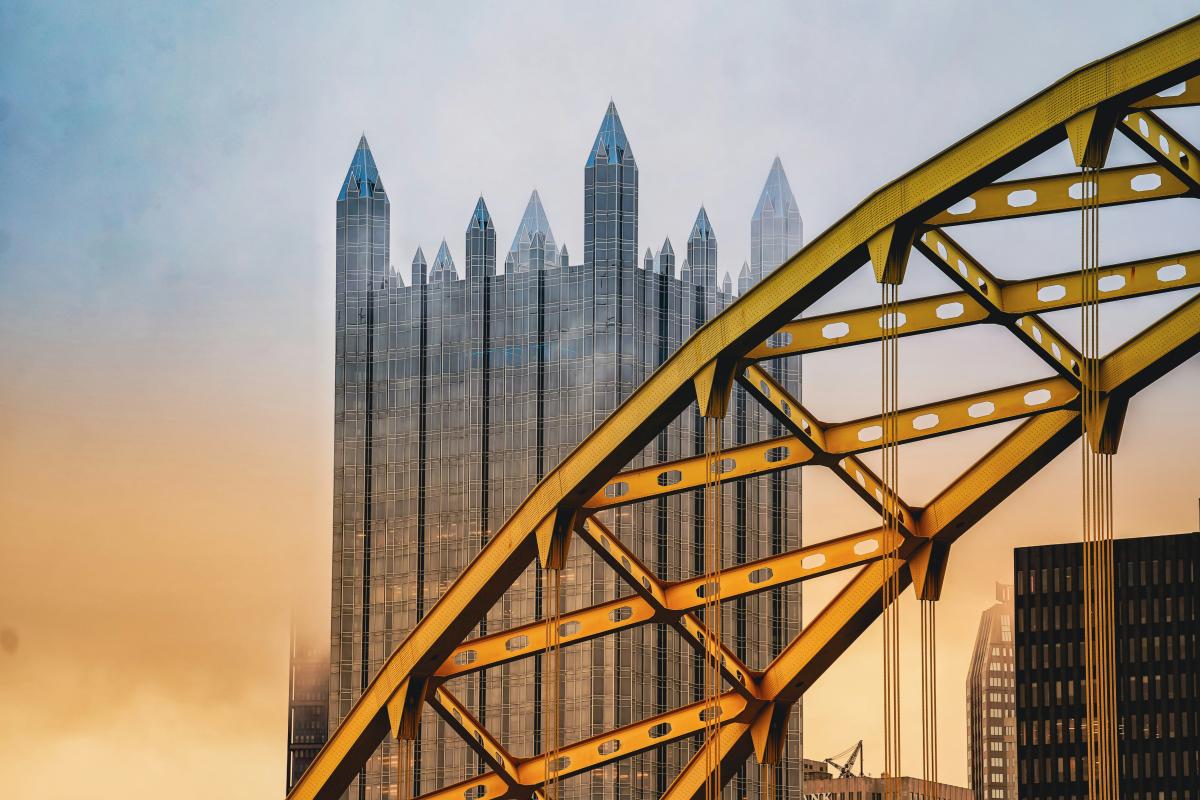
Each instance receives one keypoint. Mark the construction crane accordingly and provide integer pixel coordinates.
(847, 770)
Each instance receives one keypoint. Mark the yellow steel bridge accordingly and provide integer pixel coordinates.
(1117, 95)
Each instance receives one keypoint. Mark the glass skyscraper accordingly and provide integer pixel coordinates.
(992, 704)
(456, 392)
(610, 197)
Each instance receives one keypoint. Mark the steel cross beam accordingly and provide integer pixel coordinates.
(835, 444)
(1166, 146)
(623, 561)
(680, 597)
(1035, 196)
(969, 166)
(958, 309)
(772, 396)
(471, 731)
(967, 500)
(951, 258)
(673, 477)
(1186, 94)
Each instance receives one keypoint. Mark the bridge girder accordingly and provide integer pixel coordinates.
(956, 187)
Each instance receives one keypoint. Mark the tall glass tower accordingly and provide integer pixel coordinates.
(610, 197)
(533, 247)
(455, 395)
(776, 230)
(702, 253)
(481, 243)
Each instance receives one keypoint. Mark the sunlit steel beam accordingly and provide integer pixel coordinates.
(1032, 197)
(1165, 145)
(1139, 278)
(863, 481)
(1154, 352)
(679, 598)
(693, 631)
(673, 477)
(952, 259)
(959, 414)
(477, 737)
(1186, 94)
(957, 309)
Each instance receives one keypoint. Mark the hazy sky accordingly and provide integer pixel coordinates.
(166, 309)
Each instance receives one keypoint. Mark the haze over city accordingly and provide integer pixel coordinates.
(167, 252)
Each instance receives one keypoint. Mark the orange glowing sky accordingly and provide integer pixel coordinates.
(166, 325)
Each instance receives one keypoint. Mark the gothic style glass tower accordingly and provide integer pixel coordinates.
(776, 230)
(481, 243)
(533, 247)
(455, 394)
(610, 197)
(702, 254)
(359, 626)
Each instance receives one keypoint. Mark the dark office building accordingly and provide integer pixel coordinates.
(456, 392)
(1158, 669)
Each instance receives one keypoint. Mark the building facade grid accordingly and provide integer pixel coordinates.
(1158, 669)
(454, 394)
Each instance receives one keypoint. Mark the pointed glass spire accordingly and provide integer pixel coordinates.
(727, 284)
(702, 253)
(533, 222)
(776, 229)
(611, 144)
(480, 243)
(648, 260)
(363, 176)
(666, 259)
(743, 280)
(480, 218)
(564, 257)
(777, 192)
(420, 269)
(443, 266)
(703, 228)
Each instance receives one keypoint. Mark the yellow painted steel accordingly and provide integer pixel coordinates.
(955, 187)
(1058, 193)
(681, 598)
(1185, 94)
(476, 735)
(1170, 149)
(673, 477)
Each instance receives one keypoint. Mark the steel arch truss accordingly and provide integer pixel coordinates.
(958, 186)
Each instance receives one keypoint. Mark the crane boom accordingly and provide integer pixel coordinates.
(847, 770)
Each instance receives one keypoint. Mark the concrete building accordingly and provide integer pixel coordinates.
(872, 788)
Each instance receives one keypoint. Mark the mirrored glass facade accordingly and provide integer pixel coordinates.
(455, 394)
